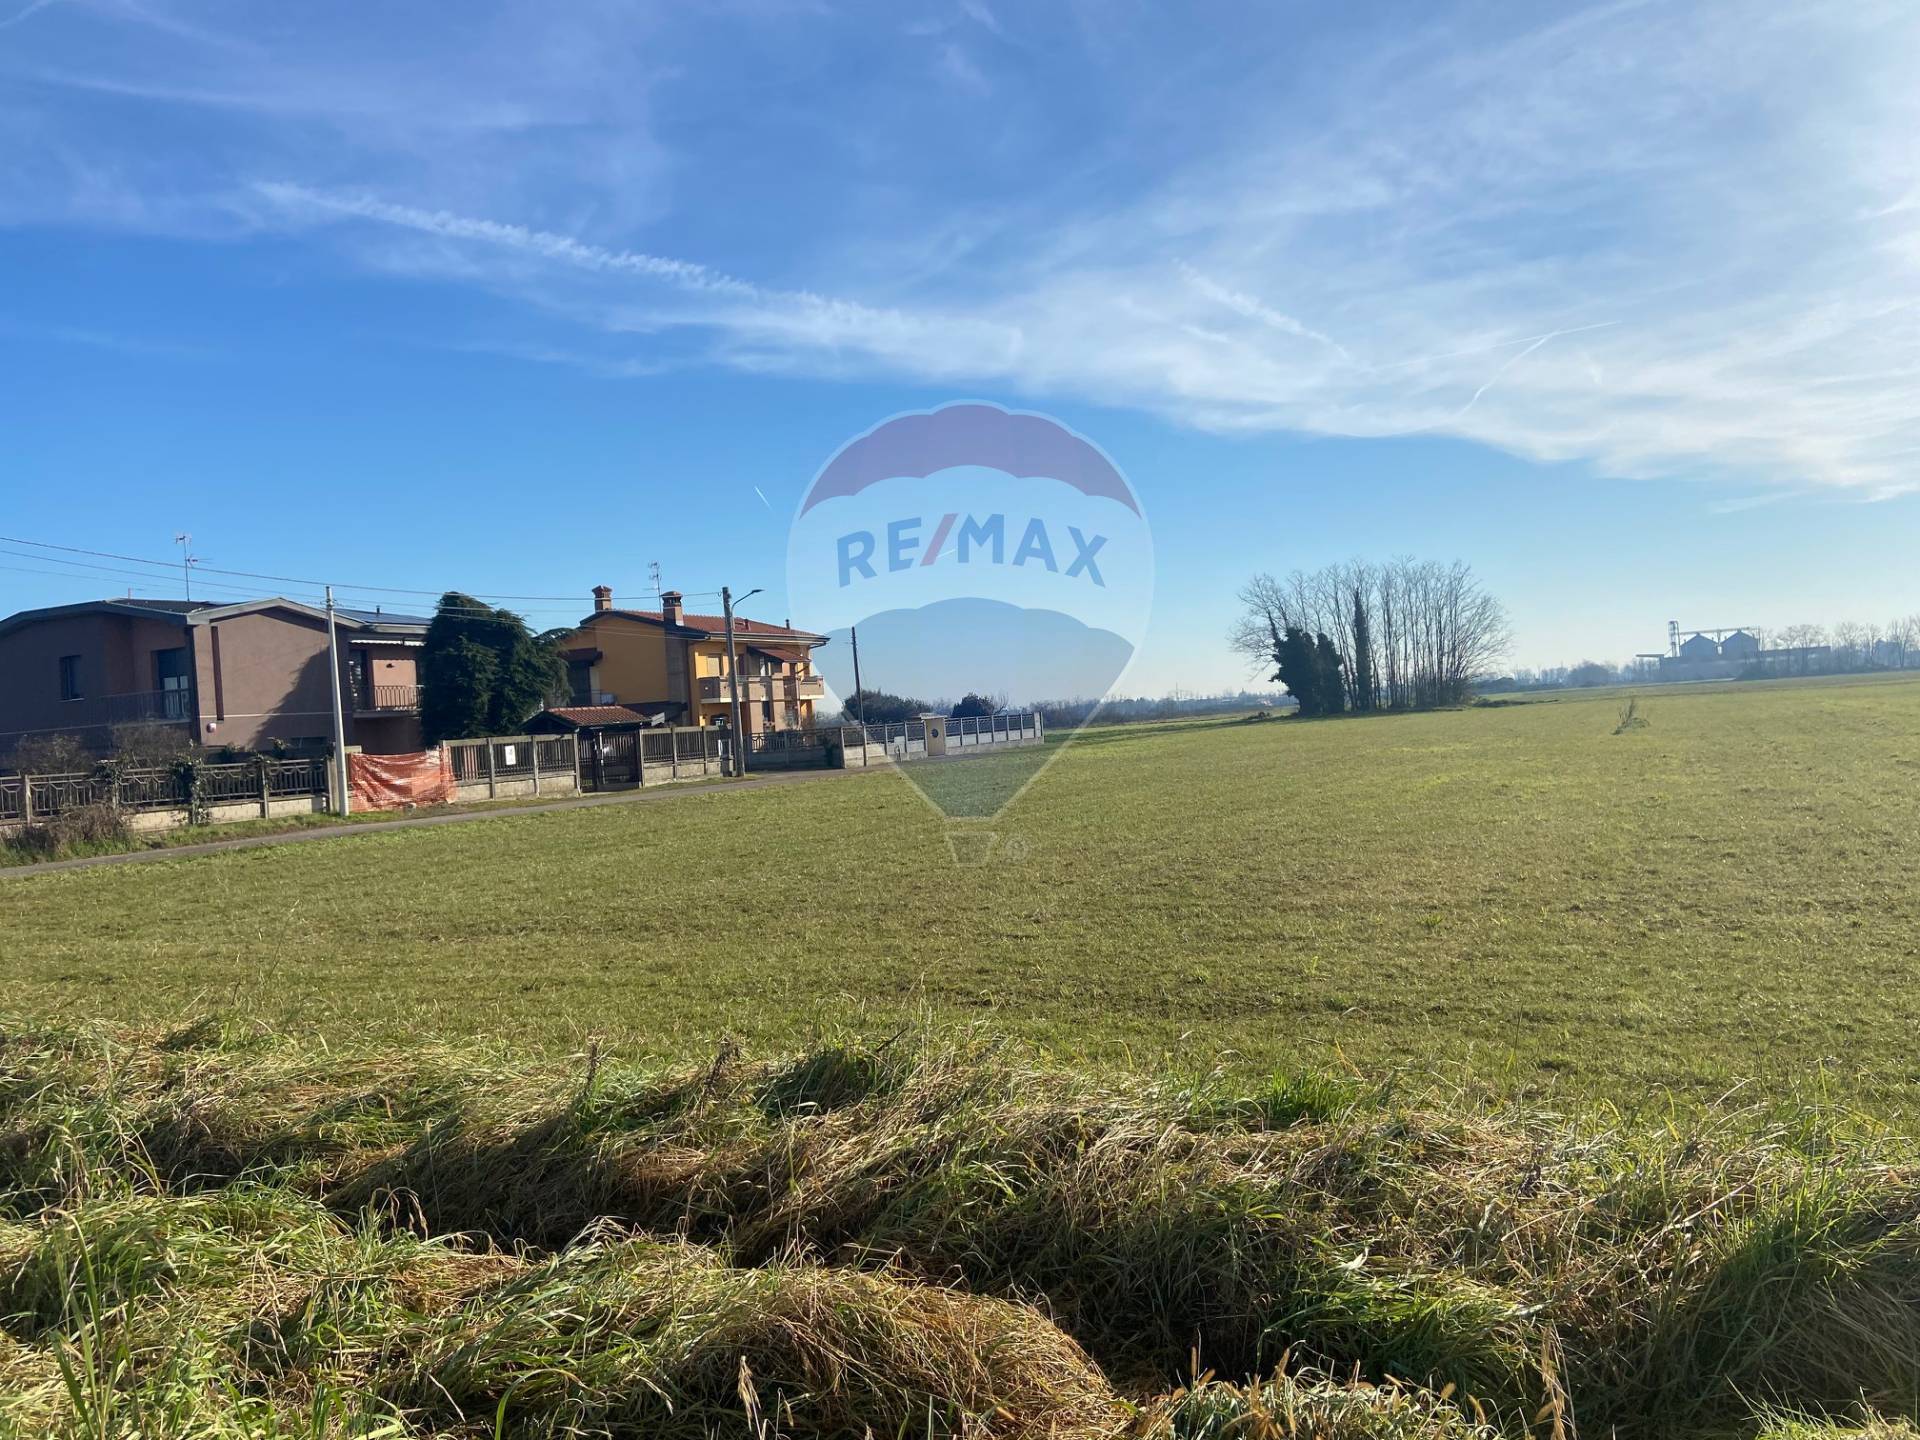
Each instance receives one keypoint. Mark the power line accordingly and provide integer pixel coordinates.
(277, 578)
(171, 565)
(88, 570)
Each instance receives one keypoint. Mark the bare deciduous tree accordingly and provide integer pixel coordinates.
(1903, 642)
(1429, 628)
(1849, 644)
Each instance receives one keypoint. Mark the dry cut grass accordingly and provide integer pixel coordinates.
(222, 1231)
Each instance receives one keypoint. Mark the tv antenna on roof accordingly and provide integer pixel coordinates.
(187, 559)
(653, 573)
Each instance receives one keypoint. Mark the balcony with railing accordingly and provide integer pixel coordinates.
(136, 707)
(384, 699)
(764, 687)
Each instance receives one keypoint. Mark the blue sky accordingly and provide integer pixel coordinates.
(1621, 304)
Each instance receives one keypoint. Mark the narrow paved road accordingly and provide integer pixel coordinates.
(374, 827)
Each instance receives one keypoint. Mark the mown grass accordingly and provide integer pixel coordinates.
(222, 1231)
(12, 853)
(1726, 896)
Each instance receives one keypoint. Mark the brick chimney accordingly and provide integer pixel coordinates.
(670, 609)
(602, 597)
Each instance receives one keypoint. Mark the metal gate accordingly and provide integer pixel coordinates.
(610, 761)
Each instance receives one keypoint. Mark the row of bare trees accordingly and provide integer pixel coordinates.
(1849, 647)
(1857, 644)
(1409, 634)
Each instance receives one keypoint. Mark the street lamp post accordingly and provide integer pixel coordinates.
(733, 680)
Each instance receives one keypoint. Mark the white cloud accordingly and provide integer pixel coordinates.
(977, 11)
(958, 66)
(1664, 240)
(25, 13)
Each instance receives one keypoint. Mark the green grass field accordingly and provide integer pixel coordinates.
(1728, 894)
(317, 1141)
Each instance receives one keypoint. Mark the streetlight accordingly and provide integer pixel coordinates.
(733, 679)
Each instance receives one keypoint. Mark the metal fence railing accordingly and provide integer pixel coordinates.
(223, 784)
(614, 759)
(469, 758)
(512, 759)
(900, 740)
(968, 730)
(399, 699)
(523, 761)
(161, 787)
(775, 741)
(290, 779)
(913, 732)
(134, 707)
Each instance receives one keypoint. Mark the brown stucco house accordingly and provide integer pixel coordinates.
(673, 662)
(243, 675)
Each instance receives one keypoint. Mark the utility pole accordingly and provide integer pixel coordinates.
(187, 557)
(733, 680)
(859, 700)
(339, 718)
(733, 685)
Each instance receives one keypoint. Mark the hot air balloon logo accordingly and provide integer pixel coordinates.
(973, 551)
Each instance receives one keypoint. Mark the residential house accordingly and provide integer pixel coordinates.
(674, 662)
(243, 675)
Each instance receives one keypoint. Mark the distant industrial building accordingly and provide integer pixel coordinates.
(1725, 654)
(1697, 649)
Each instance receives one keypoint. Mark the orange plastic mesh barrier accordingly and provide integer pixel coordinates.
(393, 782)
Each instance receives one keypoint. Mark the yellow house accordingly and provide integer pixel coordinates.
(669, 661)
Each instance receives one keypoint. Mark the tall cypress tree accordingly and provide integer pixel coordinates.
(1363, 682)
(1333, 686)
(1299, 670)
(482, 672)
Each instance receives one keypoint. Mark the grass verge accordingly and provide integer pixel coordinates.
(218, 1230)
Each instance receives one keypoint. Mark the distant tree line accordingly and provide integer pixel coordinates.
(1404, 634)
(1176, 704)
(880, 707)
(1847, 648)
(1057, 715)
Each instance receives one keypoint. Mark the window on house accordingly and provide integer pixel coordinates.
(580, 682)
(69, 677)
(171, 679)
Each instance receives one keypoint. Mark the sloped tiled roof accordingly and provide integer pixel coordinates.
(599, 714)
(173, 607)
(195, 612)
(383, 617)
(716, 625)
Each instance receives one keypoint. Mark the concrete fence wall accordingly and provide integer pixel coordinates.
(504, 767)
(501, 767)
(495, 768)
(163, 797)
(859, 747)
